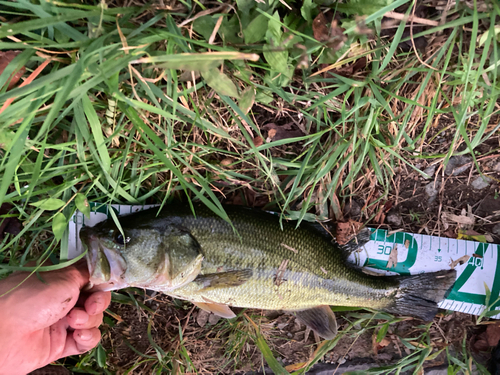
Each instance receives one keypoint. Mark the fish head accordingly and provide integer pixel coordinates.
(162, 258)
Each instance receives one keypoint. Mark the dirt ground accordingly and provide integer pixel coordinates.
(219, 346)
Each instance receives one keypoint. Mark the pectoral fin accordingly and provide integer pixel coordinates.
(320, 319)
(216, 308)
(223, 279)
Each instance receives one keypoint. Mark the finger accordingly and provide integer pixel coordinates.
(58, 333)
(87, 339)
(79, 319)
(81, 341)
(97, 302)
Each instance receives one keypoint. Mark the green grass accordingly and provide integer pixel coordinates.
(111, 119)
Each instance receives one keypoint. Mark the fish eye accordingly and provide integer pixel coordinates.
(120, 240)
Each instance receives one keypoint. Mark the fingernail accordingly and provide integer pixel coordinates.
(92, 310)
(85, 335)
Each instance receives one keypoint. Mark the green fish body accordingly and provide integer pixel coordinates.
(254, 263)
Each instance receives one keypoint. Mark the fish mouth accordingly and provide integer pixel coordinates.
(106, 266)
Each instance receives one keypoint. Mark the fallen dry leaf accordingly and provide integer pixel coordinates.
(346, 231)
(450, 233)
(333, 36)
(376, 346)
(258, 141)
(337, 37)
(278, 132)
(385, 341)
(493, 334)
(320, 30)
(462, 219)
(296, 366)
(349, 70)
(461, 260)
(393, 257)
(227, 162)
(5, 59)
(335, 208)
(481, 345)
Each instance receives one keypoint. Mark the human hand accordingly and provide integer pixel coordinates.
(43, 322)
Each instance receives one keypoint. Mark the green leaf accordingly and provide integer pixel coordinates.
(274, 32)
(434, 355)
(382, 332)
(264, 97)
(247, 99)
(49, 204)
(229, 30)
(6, 138)
(491, 313)
(220, 82)
(276, 54)
(195, 61)
(101, 356)
(14, 153)
(82, 204)
(345, 308)
(267, 353)
(191, 63)
(307, 6)
(484, 37)
(278, 60)
(244, 6)
(366, 6)
(204, 26)
(59, 224)
(256, 30)
(96, 127)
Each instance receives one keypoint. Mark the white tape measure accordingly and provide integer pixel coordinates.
(409, 254)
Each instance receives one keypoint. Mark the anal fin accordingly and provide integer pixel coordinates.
(320, 319)
(217, 309)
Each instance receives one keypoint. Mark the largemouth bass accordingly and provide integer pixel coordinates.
(254, 264)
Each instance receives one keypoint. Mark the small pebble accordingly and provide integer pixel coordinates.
(430, 170)
(213, 319)
(394, 219)
(202, 318)
(457, 165)
(496, 229)
(481, 183)
(432, 189)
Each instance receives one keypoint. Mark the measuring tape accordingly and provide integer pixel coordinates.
(476, 263)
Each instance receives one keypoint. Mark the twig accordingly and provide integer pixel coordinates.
(412, 18)
(413, 41)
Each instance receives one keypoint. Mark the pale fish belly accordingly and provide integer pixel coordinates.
(293, 291)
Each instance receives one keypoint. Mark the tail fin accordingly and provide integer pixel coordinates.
(419, 294)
